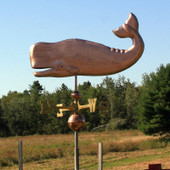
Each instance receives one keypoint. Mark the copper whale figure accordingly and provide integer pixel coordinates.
(80, 57)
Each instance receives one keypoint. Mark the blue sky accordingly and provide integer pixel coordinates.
(23, 23)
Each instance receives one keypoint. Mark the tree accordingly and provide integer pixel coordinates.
(63, 95)
(20, 114)
(50, 123)
(154, 103)
(131, 98)
(122, 96)
(4, 131)
(88, 92)
(35, 91)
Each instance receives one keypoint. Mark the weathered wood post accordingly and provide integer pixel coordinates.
(20, 156)
(100, 156)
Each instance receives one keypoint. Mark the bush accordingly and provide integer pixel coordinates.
(116, 123)
(153, 144)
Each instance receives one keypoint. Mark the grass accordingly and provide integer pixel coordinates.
(121, 148)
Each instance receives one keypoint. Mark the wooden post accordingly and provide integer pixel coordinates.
(20, 155)
(100, 156)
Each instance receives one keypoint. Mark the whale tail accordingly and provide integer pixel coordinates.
(129, 29)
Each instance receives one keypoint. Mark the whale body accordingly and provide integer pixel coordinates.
(80, 57)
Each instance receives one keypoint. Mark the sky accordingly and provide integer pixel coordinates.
(23, 23)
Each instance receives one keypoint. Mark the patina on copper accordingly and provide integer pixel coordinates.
(80, 57)
(76, 122)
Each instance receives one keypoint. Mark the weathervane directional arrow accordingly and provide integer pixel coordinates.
(91, 105)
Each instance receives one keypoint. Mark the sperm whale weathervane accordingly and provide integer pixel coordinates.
(80, 57)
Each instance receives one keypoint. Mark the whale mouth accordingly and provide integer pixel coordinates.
(42, 68)
(44, 73)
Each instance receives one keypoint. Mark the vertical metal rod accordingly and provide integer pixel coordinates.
(76, 111)
(100, 156)
(76, 82)
(76, 149)
(76, 152)
(20, 154)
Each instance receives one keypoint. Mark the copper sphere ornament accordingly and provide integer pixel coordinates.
(76, 122)
(76, 95)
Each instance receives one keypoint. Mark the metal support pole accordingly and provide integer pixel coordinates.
(76, 149)
(100, 156)
(76, 82)
(75, 106)
(20, 154)
(76, 152)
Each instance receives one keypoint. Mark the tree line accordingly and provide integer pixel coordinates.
(128, 106)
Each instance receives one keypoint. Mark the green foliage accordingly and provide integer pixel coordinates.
(153, 144)
(35, 91)
(34, 111)
(20, 114)
(116, 123)
(131, 98)
(154, 103)
(3, 127)
(88, 92)
(122, 96)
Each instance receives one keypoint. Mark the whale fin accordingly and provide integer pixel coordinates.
(72, 69)
(129, 28)
(132, 22)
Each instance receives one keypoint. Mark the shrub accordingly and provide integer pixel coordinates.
(152, 144)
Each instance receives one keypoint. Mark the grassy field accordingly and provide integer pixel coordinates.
(128, 150)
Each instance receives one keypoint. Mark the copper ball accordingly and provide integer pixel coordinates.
(76, 95)
(76, 122)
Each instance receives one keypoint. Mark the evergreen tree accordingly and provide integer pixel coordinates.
(35, 91)
(154, 104)
(63, 95)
